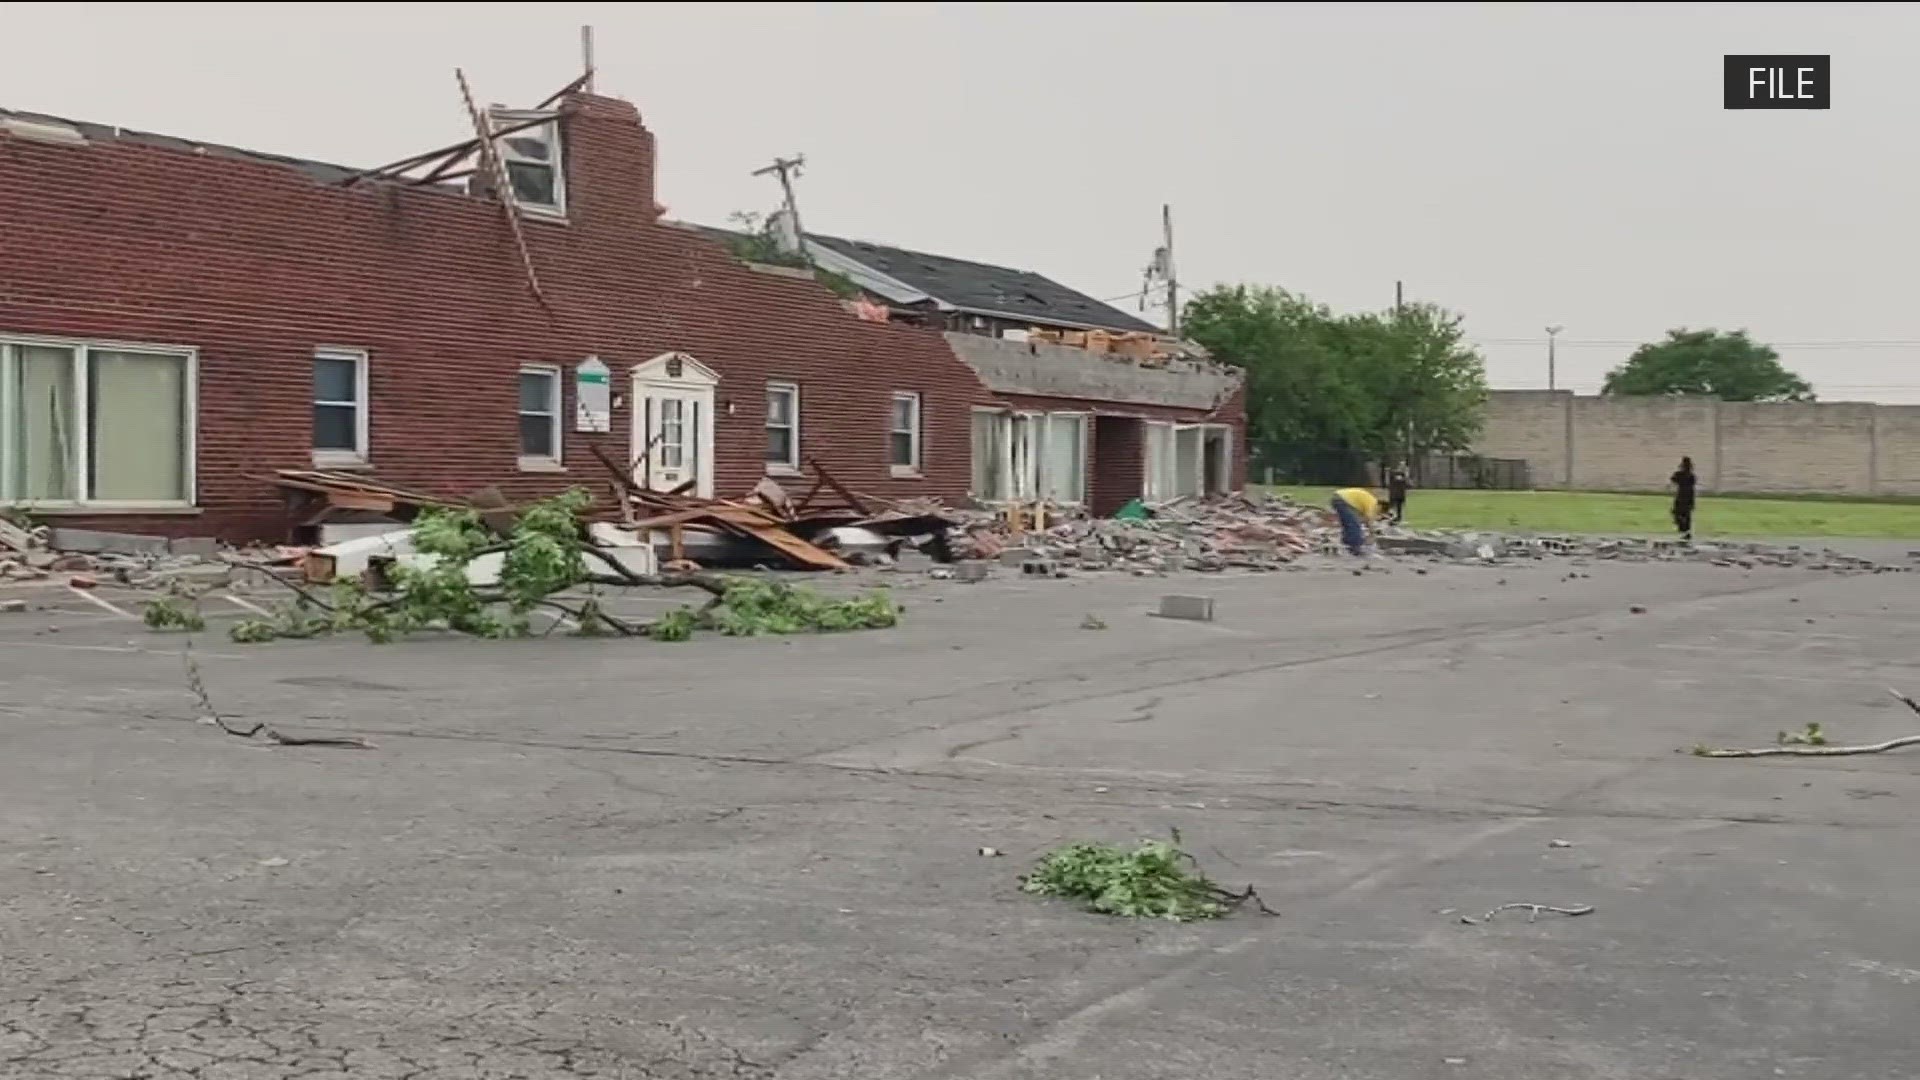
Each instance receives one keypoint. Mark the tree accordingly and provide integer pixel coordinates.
(1385, 384)
(1731, 367)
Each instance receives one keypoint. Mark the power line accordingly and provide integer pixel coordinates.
(1824, 343)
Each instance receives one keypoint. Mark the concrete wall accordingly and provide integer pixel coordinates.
(1633, 444)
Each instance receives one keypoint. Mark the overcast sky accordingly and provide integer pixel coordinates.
(1522, 164)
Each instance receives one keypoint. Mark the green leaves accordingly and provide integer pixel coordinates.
(1155, 880)
(1731, 367)
(172, 613)
(1387, 383)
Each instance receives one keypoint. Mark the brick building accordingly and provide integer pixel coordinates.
(1082, 417)
(178, 320)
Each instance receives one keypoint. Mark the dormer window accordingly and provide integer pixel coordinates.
(530, 151)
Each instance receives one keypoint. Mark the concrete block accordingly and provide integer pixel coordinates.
(1193, 608)
(1037, 568)
(1014, 556)
(971, 572)
(200, 547)
(94, 542)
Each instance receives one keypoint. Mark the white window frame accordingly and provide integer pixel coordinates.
(791, 466)
(83, 463)
(912, 466)
(1048, 482)
(553, 462)
(508, 118)
(358, 457)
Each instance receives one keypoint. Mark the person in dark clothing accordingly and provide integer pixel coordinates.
(1397, 494)
(1683, 482)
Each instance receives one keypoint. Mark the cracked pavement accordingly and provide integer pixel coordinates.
(597, 858)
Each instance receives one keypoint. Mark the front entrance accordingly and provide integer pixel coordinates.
(673, 424)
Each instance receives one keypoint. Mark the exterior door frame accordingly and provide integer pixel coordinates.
(678, 376)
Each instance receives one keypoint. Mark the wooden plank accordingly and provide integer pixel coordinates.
(839, 488)
(355, 500)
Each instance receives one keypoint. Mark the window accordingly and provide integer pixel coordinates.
(1161, 474)
(990, 433)
(539, 416)
(783, 427)
(1063, 465)
(339, 407)
(95, 423)
(903, 443)
(531, 156)
(1022, 456)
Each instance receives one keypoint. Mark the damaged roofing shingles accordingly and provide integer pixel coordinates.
(318, 170)
(984, 287)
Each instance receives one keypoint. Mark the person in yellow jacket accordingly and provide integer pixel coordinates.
(1357, 509)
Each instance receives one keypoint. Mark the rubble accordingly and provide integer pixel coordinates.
(1238, 532)
(84, 557)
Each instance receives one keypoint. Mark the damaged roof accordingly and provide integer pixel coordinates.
(985, 289)
(45, 127)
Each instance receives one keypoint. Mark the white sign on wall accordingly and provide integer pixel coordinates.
(592, 397)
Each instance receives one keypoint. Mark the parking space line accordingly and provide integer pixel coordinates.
(85, 595)
(247, 604)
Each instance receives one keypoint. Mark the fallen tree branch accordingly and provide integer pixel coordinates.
(1235, 899)
(712, 583)
(1533, 912)
(1800, 750)
(199, 689)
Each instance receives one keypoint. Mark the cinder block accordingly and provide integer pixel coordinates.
(1037, 568)
(95, 542)
(971, 572)
(1193, 608)
(204, 547)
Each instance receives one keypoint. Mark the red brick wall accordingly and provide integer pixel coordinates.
(255, 264)
(1120, 447)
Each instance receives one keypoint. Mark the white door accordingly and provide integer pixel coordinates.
(676, 434)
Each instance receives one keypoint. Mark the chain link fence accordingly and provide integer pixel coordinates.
(1346, 467)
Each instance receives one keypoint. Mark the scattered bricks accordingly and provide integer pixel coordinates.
(82, 581)
(1192, 608)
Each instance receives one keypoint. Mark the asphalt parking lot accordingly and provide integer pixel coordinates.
(761, 858)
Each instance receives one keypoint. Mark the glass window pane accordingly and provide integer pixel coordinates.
(335, 380)
(536, 391)
(39, 440)
(336, 427)
(138, 430)
(533, 144)
(1065, 466)
(536, 436)
(532, 184)
(780, 445)
(779, 406)
(903, 410)
(988, 450)
(902, 448)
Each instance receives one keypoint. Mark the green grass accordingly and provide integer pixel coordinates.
(1597, 512)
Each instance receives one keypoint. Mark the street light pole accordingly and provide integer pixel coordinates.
(1552, 332)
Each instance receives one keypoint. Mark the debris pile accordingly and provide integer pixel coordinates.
(1238, 532)
(84, 557)
(1227, 532)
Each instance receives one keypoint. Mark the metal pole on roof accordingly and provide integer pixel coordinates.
(586, 58)
(788, 169)
(1173, 279)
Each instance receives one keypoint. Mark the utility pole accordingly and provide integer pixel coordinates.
(1173, 280)
(1552, 333)
(788, 170)
(1399, 297)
